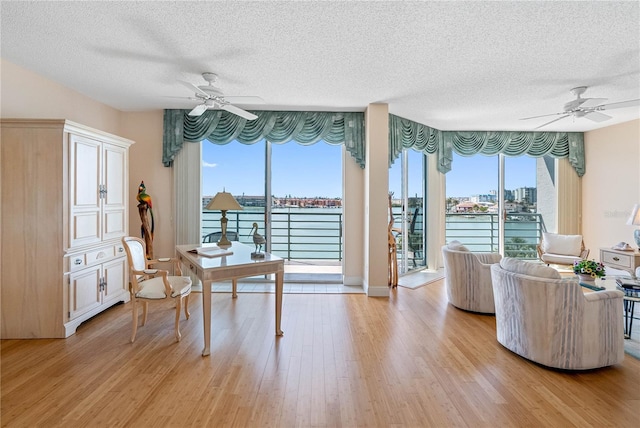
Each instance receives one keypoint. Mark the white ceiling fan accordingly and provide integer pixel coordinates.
(212, 97)
(589, 108)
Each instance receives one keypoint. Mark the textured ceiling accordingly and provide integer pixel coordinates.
(449, 65)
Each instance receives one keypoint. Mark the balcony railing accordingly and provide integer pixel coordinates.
(316, 234)
(479, 232)
(303, 234)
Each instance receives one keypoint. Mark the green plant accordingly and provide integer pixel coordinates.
(589, 267)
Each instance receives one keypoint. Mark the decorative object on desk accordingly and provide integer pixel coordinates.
(223, 201)
(145, 209)
(634, 220)
(588, 270)
(211, 251)
(258, 240)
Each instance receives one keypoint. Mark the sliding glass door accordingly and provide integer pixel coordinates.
(293, 193)
(407, 184)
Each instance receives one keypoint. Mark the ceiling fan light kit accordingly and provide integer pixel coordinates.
(589, 108)
(212, 97)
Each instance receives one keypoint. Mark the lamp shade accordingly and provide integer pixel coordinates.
(223, 201)
(634, 219)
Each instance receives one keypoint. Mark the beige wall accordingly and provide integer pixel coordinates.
(146, 164)
(29, 95)
(610, 185)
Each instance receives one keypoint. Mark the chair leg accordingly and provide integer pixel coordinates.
(178, 304)
(145, 308)
(134, 306)
(186, 306)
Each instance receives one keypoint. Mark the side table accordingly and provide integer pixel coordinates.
(623, 260)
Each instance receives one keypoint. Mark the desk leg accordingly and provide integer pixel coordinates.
(206, 316)
(279, 290)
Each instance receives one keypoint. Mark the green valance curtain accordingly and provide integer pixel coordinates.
(221, 127)
(404, 133)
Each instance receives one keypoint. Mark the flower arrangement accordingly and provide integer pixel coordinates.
(589, 267)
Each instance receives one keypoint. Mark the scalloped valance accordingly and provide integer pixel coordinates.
(404, 134)
(306, 128)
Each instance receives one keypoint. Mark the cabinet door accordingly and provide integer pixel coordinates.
(114, 178)
(115, 277)
(84, 180)
(84, 291)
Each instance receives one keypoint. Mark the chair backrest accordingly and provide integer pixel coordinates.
(136, 252)
(215, 237)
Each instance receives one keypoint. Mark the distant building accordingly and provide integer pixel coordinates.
(526, 195)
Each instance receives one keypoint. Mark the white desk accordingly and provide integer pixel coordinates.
(237, 265)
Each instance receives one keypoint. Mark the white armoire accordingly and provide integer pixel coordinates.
(65, 198)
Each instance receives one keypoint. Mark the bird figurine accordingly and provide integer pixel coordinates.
(145, 199)
(257, 238)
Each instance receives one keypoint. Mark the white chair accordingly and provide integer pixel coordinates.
(552, 321)
(561, 249)
(468, 278)
(154, 285)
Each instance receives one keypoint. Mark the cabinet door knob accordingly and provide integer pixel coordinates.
(77, 261)
(616, 259)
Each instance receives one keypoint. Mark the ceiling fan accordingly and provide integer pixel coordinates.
(589, 108)
(212, 97)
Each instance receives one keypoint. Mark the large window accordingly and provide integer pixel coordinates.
(293, 192)
(490, 212)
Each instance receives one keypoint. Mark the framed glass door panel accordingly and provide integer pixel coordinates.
(240, 170)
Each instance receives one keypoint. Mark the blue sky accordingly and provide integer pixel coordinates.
(316, 170)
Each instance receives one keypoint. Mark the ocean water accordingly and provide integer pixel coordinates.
(315, 233)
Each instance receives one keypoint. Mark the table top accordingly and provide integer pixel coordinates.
(241, 256)
(609, 283)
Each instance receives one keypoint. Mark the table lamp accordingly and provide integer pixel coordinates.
(634, 220)
(224, 202)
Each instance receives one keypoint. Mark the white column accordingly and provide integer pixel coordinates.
(376, 188)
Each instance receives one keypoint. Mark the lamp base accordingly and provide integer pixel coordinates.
(636, 235)
(224, 242)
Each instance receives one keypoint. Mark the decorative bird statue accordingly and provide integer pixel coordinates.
(145, 199)
(257, 238)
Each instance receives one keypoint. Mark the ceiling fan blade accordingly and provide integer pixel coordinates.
(243, 99)
(198, 110)
(622, 104)
(238, 111)
(194, 88)
(554, 120)
(544, 115)
(593, 102)
(597, 116)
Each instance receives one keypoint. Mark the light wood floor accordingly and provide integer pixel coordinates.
(345, 360)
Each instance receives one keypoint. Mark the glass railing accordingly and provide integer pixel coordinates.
(316, 233)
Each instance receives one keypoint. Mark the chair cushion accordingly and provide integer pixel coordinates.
(456, 246)
(153, 288)
(559, 259)
(565, 245)
(180, 285)
(527, 268)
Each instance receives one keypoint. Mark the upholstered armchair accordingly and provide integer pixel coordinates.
(552, 321)
(561, 249)
(468, 277)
